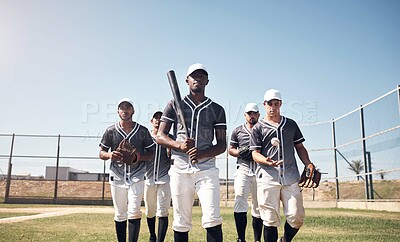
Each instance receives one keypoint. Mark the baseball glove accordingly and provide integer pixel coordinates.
(245, 153)
(310, 177)
(130, 155)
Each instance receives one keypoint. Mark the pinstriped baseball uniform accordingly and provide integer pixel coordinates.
(203, 177)
(289, 134)
(201, 121)
(139, 137)
(240, 137)
(157, 194)
(127, 195)
(157, 169)
(278, 183)
(245, 180)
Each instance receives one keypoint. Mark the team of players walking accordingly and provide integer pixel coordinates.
(266, 170)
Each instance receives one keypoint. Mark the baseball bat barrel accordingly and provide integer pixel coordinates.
(177, 98)
(177, 101)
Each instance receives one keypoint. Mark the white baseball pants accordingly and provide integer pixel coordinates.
(127, 201)
(183, 188)
(243, 185)
(269, 196)
(157, 199)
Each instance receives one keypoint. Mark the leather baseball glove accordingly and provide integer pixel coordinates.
(310, 177)
(245, 153)
(130, 155)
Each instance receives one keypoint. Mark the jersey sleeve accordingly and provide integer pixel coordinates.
(220, 122)
(106, 141)
(148, 142)
(256, 138)
(298, 136)
(169, 113)
(234, 142)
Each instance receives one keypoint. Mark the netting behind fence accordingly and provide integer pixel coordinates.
(358, 154)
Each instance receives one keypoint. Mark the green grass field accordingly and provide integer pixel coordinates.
(320, 225)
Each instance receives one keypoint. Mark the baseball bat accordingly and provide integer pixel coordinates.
(177, 101)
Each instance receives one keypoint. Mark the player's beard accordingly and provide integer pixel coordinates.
(126, 118)
(252, 121)
(197, 89)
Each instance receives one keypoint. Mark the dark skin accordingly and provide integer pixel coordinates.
(125, 113)
(197, 82)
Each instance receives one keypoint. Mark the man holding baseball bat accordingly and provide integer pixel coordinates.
(273, 142)
(245, 178)
(130, 144)
(193, 155)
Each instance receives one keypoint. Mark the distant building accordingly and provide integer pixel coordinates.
(70, 174)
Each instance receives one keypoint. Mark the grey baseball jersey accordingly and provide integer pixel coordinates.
(201, 120)
(240, 137)
(157, 169)
(289, 134)
(140, 138)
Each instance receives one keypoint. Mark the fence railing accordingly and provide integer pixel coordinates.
(365, 143)
(359, 151)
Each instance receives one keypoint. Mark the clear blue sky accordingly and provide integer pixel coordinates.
(65, 64)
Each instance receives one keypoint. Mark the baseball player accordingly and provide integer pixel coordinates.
(245, 179)
(157, 193)
(205, 120)
(274, 140)
(127, 181)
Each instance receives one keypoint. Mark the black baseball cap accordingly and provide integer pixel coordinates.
(158, 113)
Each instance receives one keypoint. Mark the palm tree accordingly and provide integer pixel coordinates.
(357, 167)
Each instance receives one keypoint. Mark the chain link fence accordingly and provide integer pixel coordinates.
(358, 154)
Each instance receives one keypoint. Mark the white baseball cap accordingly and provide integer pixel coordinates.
(195, 67)
(123, 100)
(272, 94)
(251, 107)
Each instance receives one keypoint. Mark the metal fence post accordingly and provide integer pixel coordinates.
(227, 174)
(370, 180)
(398, 97)
(335, 159)
(57, 164)
(8, 183)
(364, 152)
(104, 181)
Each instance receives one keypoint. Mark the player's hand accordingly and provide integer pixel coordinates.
(193, 154)
(187, 144)
(310, 170)
(272, 162)
(116, 156)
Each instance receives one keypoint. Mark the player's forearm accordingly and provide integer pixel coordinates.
(303, 155)
(214, 150)
(234, 152)
(104, 155)
(148, 155)
(258, 157)
(167, 142)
